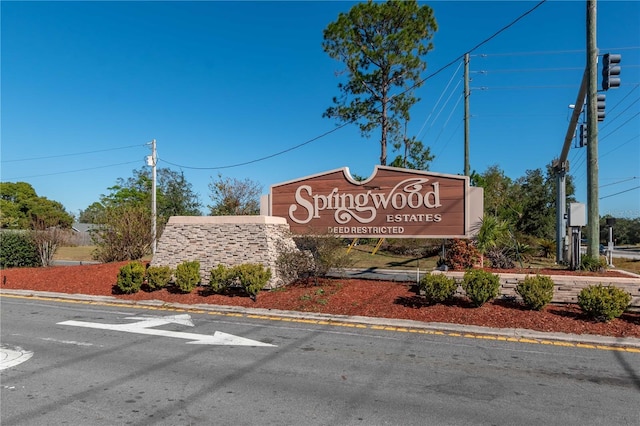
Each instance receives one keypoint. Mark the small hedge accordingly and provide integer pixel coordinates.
(188, 275)
(536, 292)
(130, 277)
(158, 277)
(437, 288)
(480, 286)
(251, 277)
(18, 249)
(603, 303)
(593, 264)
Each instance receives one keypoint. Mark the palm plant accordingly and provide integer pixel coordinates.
(492, 233)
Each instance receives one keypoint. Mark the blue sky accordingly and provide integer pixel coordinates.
(86, 85)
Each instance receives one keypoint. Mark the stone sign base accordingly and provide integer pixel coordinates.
(226, 240)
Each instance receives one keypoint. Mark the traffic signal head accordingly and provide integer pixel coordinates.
(610, 71)
(601, 104)
(583, 135)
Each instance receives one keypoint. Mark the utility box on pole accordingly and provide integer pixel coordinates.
(576, 220)
(577, 214)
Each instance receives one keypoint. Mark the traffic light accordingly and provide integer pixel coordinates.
(582, 140)
(610, 70)
(601, 101)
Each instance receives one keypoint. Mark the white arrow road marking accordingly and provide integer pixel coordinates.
(144, 324)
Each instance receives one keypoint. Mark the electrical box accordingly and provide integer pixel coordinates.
(577, 214)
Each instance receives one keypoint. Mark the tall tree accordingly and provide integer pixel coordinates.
(382, 46)
(496, 186)
(232, 197)
(415, 157)
(22, 208)
(174, 195)
(538, 216)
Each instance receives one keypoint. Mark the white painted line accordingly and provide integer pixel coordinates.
(66, 342)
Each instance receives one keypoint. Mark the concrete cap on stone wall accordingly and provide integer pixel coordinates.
(270, 220)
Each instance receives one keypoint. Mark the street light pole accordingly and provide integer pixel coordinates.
(152, 160)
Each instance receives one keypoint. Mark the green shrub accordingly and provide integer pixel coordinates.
(438, 288)
(188, 275)
(293, 264)
(221, 279)
(249, 276)
(480, 286)
(461, 255)
(603, 303)
(130, 277)
(593, 264)
(253, 277)
(18, 249)
(320, 253)
(158, 276)
(536, 292)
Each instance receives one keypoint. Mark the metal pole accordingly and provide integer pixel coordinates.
(466, 114)
(593, 217)
(561, 210)
(154, 159)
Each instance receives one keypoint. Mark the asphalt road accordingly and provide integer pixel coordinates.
(94, 364)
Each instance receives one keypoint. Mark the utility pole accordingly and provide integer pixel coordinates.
(152, 160)
(593, 216)
(466, 114)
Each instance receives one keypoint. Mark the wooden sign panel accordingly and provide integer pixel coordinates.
(393, 203)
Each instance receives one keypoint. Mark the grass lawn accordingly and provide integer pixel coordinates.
(77, 253)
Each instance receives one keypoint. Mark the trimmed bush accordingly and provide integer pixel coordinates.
(536, 292)
(18, 249)
(603, 303)
(480, 286)
(158, 276)
(188, 275)
(130, 277)
(221, 279)
(438, 288)
(253, 277)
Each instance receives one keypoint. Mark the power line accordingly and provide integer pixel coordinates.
(620, 126)
(620, 181)
(261, 158)
(554, 52)
(619, 146)
(70, 155)
(72, 171)
(625, 97)
(439, 99)
(621, 192)
(485, 41)
(507, 70)
(558, 86)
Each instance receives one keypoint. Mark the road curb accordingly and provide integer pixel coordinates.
(517, 334)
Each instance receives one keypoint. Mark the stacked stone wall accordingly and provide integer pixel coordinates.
(226, 240)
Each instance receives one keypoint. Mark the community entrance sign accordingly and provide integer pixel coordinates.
(392, 203)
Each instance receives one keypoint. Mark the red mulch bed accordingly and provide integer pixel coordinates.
(336, 296)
